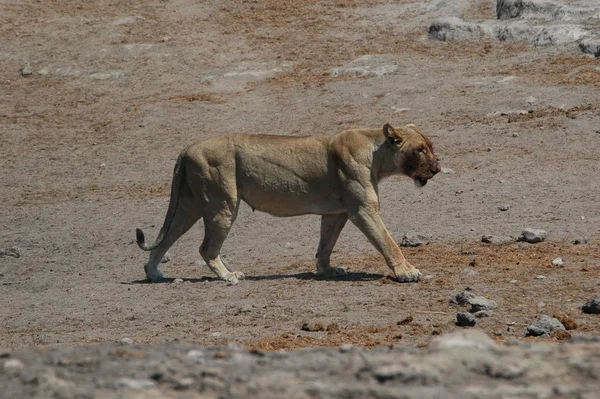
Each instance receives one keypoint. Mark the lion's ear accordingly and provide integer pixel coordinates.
(390, 134)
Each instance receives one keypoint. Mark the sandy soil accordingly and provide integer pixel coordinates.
(118, 88)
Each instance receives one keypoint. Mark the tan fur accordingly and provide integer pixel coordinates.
(333, 176)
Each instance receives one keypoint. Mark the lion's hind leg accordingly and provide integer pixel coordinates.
(216, 229)
(331, 227)
(185, 217)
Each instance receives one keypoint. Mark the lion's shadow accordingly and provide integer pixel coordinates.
(350, 277)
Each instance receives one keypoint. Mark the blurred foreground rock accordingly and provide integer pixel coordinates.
(458, 365)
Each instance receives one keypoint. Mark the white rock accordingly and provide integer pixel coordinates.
(13, 364)
(540, 277)
(447, 171)
(134, 384)
(126, 341)
(178, 281)
(558, 262)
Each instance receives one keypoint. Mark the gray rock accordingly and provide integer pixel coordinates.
(465, 319)
(544, 325)
(592, 306)
(479, 303)
(483, 313)
(414, 240)
(503, 208)
(580, 241)
(451, 29)
(126, 341)
(469, 272)
(178, 281)
(590, 46)
(26, 71)
(134, 384)
(12, 251)
(540, 277)
(497, 240)
(533, 235)
(462, 298)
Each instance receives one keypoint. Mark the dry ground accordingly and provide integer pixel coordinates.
(118, 88)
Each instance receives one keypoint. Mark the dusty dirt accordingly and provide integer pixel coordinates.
(118, 88)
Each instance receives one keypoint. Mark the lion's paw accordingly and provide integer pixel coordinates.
(412, 276)
(234, 278)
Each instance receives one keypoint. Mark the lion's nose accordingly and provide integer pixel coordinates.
(434, 166)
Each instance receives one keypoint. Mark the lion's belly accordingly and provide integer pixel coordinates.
(294, 205)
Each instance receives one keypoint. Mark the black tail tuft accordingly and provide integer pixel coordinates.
(139, 235)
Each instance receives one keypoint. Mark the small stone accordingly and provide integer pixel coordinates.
(483, 313)
(469, 272)
(313, 327)
(497, 240)
(481, 303)
(216, 334)
(462, 298)
(513, 281)
(126, 341)
(195, 354)
(12, 251)
(245, 308)
(503, 208)
(592, 306)
(26, 71)
(447, 171)
(13, 364)
(465, 319)
(540, 277)
(178, 281)
(134, 384)
(558, 262)
(533, 235)
(489, 149)
(288, 245)
(414, 240)
(405, 321)
(344, 348)
(579, 241)
(515, 134)
(544, 325)
(102, 165)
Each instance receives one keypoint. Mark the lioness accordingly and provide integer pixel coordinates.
(333, 176)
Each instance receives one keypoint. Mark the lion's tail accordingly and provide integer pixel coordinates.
(178, 178)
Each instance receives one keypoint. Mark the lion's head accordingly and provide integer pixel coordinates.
(414, 154)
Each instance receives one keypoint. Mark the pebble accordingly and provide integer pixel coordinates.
(26, 71)
(465, 319)
(558, 262)
(178, 281)
(13, 364)
(245, 309)
(134, 384)
(447, 171)
(533, 235)
(579, 241)
(126, 341)
(592, 306)
(497, 240)
(481, 303)
(12, 251)
(544, 325)
(513, 281)
(503, 207)
(413, 240)
(469, 272)
(540, 277)
(462, 298)
(515, 134)
(346, 348)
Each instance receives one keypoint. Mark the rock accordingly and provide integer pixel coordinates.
(126, 341)
(503, 208)
(462, 298)
(12, 251)
(544, 325)
(481, 303)
(590, 46)
(515, 134)
(346, 348)
(246, 308)
(447, 171)
(414, 240)
(497, 240)
(532, 235)
(483, 313)
(313, 327)
(26, 71)
(469, 272)
(405, 321)
(178, 281)
(12, 365)
(592, 306)
(451, 29)
(558, 262)
(465, 319)
(540, 277)
(579, 241)
(473, 339)
(134, 384)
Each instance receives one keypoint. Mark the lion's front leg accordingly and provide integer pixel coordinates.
(368, 220)
(331, 227)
